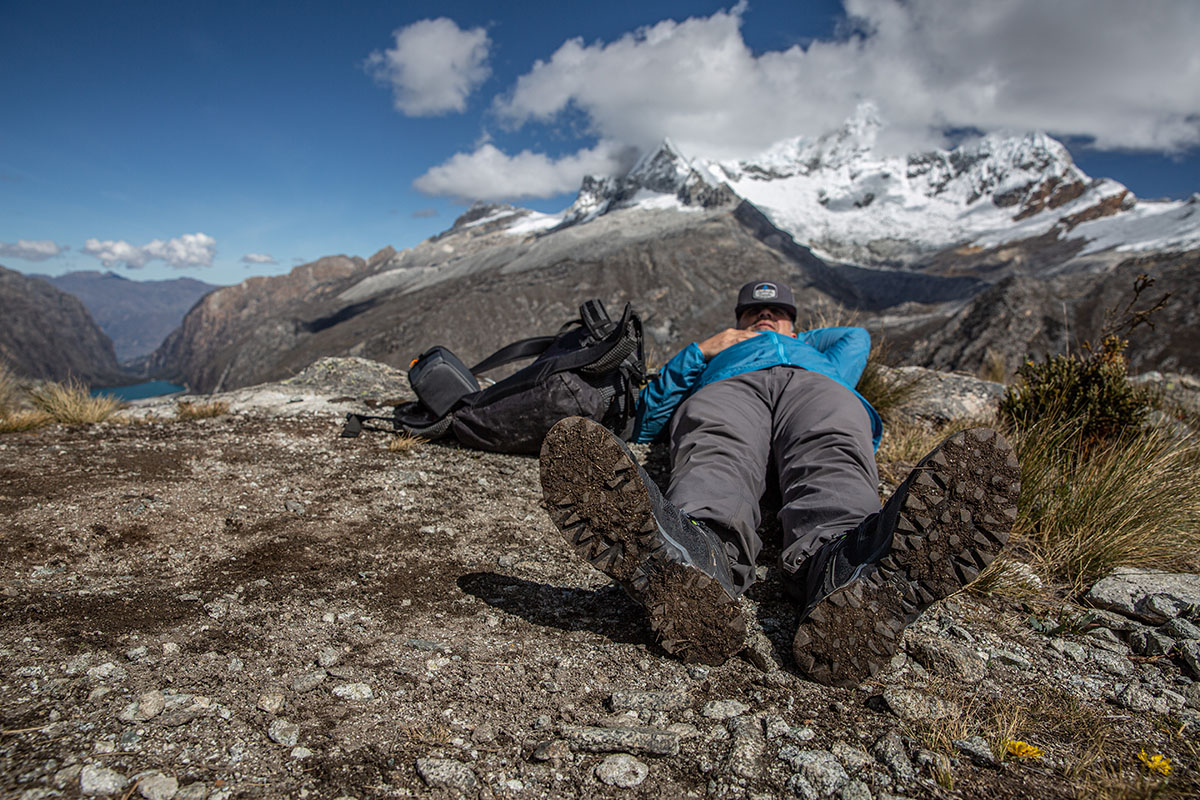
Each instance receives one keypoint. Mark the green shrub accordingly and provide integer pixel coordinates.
(1091, 389)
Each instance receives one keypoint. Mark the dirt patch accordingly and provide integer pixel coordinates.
(254, 604)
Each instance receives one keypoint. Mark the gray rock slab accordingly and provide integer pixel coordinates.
(157, 786)
(1111, 663)
(647, 741)
(622, 770)
(821, 769)
(977, 748)
(1128, 591)
(1072, 650)
(724, 709)
(856, 790)
(940, 396)
(446, 773)
(99, 781)
(853, 758)
(1135, 698)
(889, 750)
(283, 732)
(1180, 628)
(914, 706)
(1191, 696)
(360, 692)
(308, 681)
(749, 745)
(1150, 643)
(192, 791)
(1189, 654)
(648, 701)
(948, 659)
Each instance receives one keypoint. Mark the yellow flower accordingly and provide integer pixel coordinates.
(1023, 750)
(1155, 763)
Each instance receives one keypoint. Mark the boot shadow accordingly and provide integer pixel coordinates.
(606, 611)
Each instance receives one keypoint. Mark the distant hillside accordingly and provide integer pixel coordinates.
(136, 315)
(47, 333)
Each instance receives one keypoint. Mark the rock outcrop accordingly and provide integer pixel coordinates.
(47, 333)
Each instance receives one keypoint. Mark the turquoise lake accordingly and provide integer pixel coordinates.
(139, 390)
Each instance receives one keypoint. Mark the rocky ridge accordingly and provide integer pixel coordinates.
(250, 606)
(47, 334)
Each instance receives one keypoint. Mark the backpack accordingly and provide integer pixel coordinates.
(593, 367)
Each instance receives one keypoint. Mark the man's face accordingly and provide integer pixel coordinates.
(767, 318)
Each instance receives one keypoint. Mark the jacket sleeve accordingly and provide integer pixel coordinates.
(845, 349)
(659, 398)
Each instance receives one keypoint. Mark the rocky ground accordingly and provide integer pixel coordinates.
(250, 606)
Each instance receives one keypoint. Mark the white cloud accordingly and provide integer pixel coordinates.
(1124, 74)
(189, 250)
(489, 174)
(258, 258)
(434, 66)
(31, 250)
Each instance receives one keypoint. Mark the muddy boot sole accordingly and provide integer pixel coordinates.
(594, 494)
(953, 523)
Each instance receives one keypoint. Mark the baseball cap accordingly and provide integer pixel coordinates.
(765, 293)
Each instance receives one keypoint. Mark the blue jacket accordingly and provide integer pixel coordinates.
(838, 353)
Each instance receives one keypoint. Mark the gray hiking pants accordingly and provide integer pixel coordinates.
(814, 430)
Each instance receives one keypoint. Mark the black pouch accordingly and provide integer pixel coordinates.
(440, 380)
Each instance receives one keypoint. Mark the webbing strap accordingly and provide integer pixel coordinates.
(525, 348)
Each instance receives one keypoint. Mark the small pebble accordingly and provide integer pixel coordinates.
(354, 691)
(622, 770)
(283, 732)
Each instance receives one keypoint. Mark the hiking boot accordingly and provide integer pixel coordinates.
(946, 522)
(615, 517)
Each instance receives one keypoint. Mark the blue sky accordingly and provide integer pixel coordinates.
(223, 140)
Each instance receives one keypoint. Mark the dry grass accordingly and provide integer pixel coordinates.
(906, 441)
(406, 444)
(993, 368)
(1084, 510)
(827, 314)
(10, 391)
(886, 394)
(188, 409)
(1009, 578)
(71, 403)
(18, 421)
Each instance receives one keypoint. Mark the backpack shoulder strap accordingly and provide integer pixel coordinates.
(525, 348)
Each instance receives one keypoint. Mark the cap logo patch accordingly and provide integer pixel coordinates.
(765, 291)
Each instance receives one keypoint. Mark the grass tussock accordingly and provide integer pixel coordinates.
(189, 409)
(24, 420)
(406, 444)
(1087, 508)
(71, 403)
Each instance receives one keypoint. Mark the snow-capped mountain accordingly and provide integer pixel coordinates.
(838, 196)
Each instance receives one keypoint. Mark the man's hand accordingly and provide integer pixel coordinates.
(726, 338)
